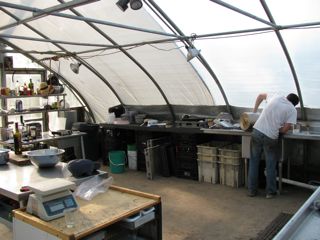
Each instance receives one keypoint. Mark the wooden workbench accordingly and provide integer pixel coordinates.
(102, 211)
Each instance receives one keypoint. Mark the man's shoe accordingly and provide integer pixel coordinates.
(271, 195)
(252, 193)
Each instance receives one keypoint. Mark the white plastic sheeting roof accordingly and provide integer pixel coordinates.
(246, 47)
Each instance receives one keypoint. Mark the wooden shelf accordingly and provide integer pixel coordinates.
(25, 70)
(33, 96)
(32, 112)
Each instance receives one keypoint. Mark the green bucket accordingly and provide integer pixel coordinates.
(117, 160)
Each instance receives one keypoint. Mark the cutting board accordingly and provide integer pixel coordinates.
(20, 160)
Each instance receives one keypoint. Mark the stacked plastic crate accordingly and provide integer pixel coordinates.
(231, 167)
(208, 169)
(186, 156)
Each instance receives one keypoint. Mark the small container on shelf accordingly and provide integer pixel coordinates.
(19, 107)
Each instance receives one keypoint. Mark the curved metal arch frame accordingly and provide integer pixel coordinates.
(45, 66)
(200, 57)
(21, 51)
(95, 71)
(276, 28)
(132, 59)
(77, 58)
(288, 57)
(273, 27)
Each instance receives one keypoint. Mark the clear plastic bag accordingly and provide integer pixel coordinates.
(90, 188)
(65, 172)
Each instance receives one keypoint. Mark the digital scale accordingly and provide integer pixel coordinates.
(51, 198)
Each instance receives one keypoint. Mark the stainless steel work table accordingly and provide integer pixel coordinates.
(303, 135)
(13, 177)
(47, 137)
(305, 222)
(233, 132)
(245, 135)
(245, 143)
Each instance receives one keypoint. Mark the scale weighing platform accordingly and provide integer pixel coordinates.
(51, 198)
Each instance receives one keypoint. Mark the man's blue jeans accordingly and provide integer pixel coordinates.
(261, 143)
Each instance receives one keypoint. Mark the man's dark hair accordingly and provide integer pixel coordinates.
(293, 98)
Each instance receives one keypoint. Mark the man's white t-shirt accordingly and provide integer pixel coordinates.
(276, 113)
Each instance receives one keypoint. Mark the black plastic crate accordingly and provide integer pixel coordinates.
(112, 139)
(189, 166)
(186, 149)
(187, 156)
(187, 173)
(191, 162)
(185, 139)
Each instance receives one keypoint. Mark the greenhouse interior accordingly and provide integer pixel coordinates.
(157, 119)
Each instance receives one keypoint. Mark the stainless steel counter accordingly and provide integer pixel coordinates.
(245, 142)
(234, 132)
(13, 177)
(305, 136)
(47, 137)
(305, 222)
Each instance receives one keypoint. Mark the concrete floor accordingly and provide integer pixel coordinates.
(203, 211)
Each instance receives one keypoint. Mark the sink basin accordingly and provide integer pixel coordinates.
(307, 130)
(314, 132)
(304, 133)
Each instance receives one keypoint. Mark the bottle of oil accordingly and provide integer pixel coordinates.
(31, 87)
(17, 140)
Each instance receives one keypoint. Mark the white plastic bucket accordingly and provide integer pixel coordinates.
(110, 118)
(132, 157)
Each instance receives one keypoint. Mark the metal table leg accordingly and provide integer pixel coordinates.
(280, 165)
(246, 172)
(82, 147)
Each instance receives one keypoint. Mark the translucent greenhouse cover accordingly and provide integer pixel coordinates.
(241, 53)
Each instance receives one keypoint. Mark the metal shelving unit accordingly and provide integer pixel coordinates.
(6, 71)
(6, 113)
(33, 110)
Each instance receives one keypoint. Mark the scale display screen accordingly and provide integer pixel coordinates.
(57, 206)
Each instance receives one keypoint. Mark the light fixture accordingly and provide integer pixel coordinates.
(192, 53)
(123, 4)
(75, 67)
(135, 4)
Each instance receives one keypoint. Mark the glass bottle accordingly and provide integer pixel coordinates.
(23, 126)
(17, 87)
(31, 87)
(17, 140)
(21, 120)
(25, 89)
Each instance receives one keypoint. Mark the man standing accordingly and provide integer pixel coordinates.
(277, 117)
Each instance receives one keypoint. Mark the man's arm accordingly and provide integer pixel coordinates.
(260, 98)
(285, 128)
